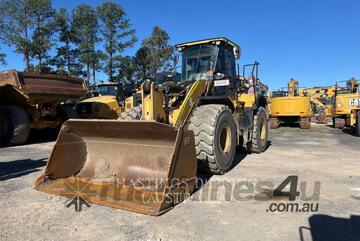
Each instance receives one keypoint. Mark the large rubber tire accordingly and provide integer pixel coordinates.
(260, 135)
(357, 125)
(20, 124)
(6, 127)
(215, 138)
(131, 114)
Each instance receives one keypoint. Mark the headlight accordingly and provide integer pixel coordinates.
(219, 76)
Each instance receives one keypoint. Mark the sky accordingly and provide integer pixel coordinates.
(316, 42)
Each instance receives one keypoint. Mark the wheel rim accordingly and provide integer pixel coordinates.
(225, 140)
(262, 131)
(3, 126)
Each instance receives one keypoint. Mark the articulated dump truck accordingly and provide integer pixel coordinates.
(150, 164)
(35, 101)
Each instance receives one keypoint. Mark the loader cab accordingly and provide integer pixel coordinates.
(208, 59)
(107, 89)
(212, 60)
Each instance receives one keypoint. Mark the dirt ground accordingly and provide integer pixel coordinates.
(321, 154)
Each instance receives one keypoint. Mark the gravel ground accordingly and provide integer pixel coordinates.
(321, 154)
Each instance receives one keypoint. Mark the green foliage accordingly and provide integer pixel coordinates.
(17, 23)
(66, 59)
(2, 59)
(127, 70)
(117, 32)
(85, 25)
(33, 28)
(156, 53)
(42, 15)
(27, 26)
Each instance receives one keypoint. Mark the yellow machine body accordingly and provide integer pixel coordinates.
(347, 105)
(102, 107)
(291, 106)
(107, 104)
(146, 165)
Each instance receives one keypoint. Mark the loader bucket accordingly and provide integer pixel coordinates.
(140, 166)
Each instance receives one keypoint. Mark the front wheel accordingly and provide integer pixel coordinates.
(215, 137)
(357, 125)
(260, 135)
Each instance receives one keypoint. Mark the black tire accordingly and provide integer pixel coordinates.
(215, 138)
(260, 135)
(20, 124)
(131, 114)
(6, 127)
(357, 125)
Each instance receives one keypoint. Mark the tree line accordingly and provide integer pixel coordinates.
(81, 42)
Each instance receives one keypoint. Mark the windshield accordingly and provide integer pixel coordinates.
(107, 90)
(199, 62)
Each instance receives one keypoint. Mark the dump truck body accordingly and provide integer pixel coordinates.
(36, 101)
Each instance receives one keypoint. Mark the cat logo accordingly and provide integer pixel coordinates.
(354, 102)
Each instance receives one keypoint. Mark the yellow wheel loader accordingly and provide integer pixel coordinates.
(149, 165)
(290, 106)
(108, 101)
(347, 105)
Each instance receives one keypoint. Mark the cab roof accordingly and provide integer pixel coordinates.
(205, 41)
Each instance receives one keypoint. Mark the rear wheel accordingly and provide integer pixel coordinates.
(260, 135)
(357, 125)
(131, 114)
(19, 128)
(215, 137)
(6, 127)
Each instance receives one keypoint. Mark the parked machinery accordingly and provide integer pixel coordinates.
(321, 99)
(108, 101)
(290, 106)
(196, 123)
(35, 101)
(347, 105)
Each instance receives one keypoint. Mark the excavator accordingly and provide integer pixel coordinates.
(150, 164)
(290, 106)
(347, 105)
